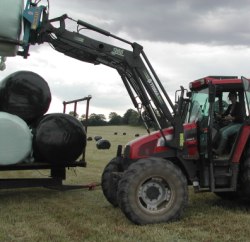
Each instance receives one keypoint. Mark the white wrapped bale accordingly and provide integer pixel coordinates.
(10, 25)
(15, 139)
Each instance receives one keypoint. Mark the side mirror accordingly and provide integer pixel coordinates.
(179, 94)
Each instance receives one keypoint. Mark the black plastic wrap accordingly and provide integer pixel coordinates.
(58, 139)
(103, 144)
(25, 94)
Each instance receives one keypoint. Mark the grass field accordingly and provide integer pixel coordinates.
(39, 214)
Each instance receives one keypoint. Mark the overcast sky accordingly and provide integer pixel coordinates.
(184, 40)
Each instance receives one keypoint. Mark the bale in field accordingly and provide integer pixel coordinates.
(124, 133)
(96, 138)
(103, 144)
(89, 138)
(137, 135)
(115, 133)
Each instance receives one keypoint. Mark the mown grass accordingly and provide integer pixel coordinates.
(40, 214)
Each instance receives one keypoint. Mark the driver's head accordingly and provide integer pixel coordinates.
(232, 95)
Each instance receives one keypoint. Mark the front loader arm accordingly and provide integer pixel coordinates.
(143, 91)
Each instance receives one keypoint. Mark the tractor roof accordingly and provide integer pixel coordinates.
(227, 82)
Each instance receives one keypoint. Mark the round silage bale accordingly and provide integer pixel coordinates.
(15, 139)
(11, 18)
(97, 137)
(59, 138)
(25, 94)
(103, 144)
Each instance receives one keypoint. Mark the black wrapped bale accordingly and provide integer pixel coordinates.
(58, 139)
(97, 137)
(103, 144)
(25, 94)
(89, 138)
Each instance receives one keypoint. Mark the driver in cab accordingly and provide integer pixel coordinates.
(234, 117)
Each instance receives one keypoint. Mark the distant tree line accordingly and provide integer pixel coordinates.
(130, 117)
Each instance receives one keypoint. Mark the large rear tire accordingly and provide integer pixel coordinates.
(109, 182)
(245, 179)
(153, 190)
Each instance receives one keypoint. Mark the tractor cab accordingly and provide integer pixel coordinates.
(209, 101)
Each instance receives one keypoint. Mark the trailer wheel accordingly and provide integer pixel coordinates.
(245, 179)
(152, 190)
(109, 182)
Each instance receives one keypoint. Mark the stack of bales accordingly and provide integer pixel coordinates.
(26, 132)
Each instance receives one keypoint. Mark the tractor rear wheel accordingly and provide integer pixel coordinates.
(245, 179)
(109, 181)
(152, 190)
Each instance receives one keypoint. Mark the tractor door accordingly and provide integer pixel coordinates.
(196, 125)
(197, 137)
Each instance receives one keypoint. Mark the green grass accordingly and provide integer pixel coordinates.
(39, 214)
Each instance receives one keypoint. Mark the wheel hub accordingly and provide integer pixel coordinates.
(154, 194)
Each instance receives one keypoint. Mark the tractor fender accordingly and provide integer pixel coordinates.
(188, 167)
(240, 144)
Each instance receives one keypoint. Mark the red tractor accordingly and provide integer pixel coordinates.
(150, 180)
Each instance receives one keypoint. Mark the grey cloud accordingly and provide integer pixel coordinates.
(194, 21)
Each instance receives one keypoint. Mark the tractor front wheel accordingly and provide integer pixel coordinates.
(153, 190)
